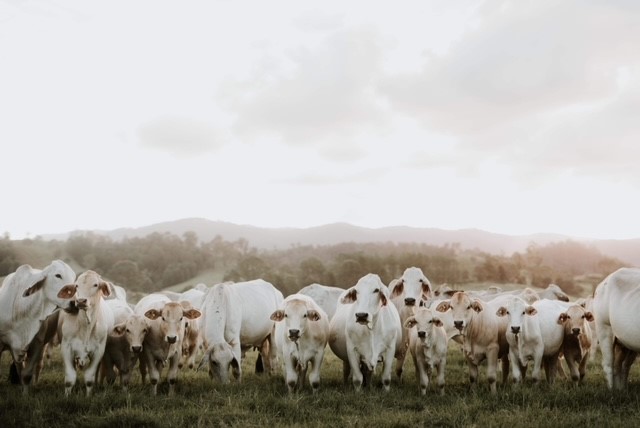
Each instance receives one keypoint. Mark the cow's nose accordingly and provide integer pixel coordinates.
(172, 339)
(362, 316)
(515, 329)
(294, 332)
(409, 301)
(457, 324)
(575, 331)
(422, 334)
(136, 349)
(81, 302)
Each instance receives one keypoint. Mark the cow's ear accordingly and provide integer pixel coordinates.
(588, 316)
(530, 310)
(350, 297)
(191, 314)
(313, 315)
(426, 289)
(502, 311)
(398, 288)
(119, 329)
(383, 298)
(234, 363)
(277, 315)
(36, 286)
(153, 314)
(476, 306)
(562, 318)
(410, 322)
(443, 306)
(105, 288)
(67, 291)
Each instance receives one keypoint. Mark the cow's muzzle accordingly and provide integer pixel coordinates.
(81, 303)
(515, 329)
(409, 301)
(362, 318)
(575, 331)
(458, 324)
(294, 334)
(422, 334)
(172, 339)
(136, 349)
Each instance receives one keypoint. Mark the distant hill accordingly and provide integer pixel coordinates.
(279, 238)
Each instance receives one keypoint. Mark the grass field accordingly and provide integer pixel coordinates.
(262, 401)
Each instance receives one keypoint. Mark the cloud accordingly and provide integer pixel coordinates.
(179, 136)
(319, 93)
(537, 85)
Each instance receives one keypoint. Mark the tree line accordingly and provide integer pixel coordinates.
(160, 260)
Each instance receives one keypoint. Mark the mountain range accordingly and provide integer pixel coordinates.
(627, 250)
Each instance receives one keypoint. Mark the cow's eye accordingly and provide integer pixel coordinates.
(430, 321)
(286, 316)
(181, 318)
(305, 315)
(522, 312)
(95, 285)
(58, 276)
(377, 290)
(163, 319)
(128, 331)
(469, 307)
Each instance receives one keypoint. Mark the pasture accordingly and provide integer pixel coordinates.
(262, 401)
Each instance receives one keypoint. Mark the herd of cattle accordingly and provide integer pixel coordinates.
(367, 325)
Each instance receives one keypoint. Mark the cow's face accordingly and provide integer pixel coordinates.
(221, 359)
(172, 317)
(575, 320)
(462, 307)
(134, 329)
(295, 316)
(424, 320)
(412, 287)
(368, 296)
(88, 287)
(516, 310)
(51, 281)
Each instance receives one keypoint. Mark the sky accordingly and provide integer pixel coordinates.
(513, 117)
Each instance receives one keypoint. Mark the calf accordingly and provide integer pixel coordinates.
(365, 330)
(84, 334)
(163, 341)
(483, 332)
(123, 349)
(301, 339)
(577, 340)
(428, 346)
(325, 296)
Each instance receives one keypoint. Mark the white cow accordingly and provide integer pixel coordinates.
(163, 342)
(365, 330)
(27, 297)
(534, 334)
(615, 306)
(428, 345)
(83, 334)
(325, 296)
(484, 334)
(301, 334)
(236, 317)
(406, 292)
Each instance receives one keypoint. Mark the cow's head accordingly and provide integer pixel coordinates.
(516, 309)
(412, 287)
(575, 320)
(221, 358)
(135, 329)
(424, 320)
(463, 309)
(89, 287)
(296, 313)
(368, 296)
(171, 319)
(50, 281)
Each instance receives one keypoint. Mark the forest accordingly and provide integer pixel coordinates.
(157, 261)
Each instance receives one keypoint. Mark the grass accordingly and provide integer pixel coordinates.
(263, 401)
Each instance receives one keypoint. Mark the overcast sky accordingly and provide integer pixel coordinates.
(509, 116)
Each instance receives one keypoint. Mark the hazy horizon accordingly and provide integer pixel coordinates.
(514, 118)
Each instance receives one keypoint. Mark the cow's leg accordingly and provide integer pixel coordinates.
(69, 369)
(172, 375)
(269, 357)
(551, 367)
(441, 366)
(583, 365)
(492, 367)
(143, 368)
(154, 374)
(354, 364)
(402, 355)
(346, 372)
(572, 363)
(423, 376)
(516, 372)
(91, 371)
(606, 339)
(505, 369)
(473, 374)
(236, 369)
(537, 363)
(626, 366)
(291, 374)
(314, 375)
(387, 364)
